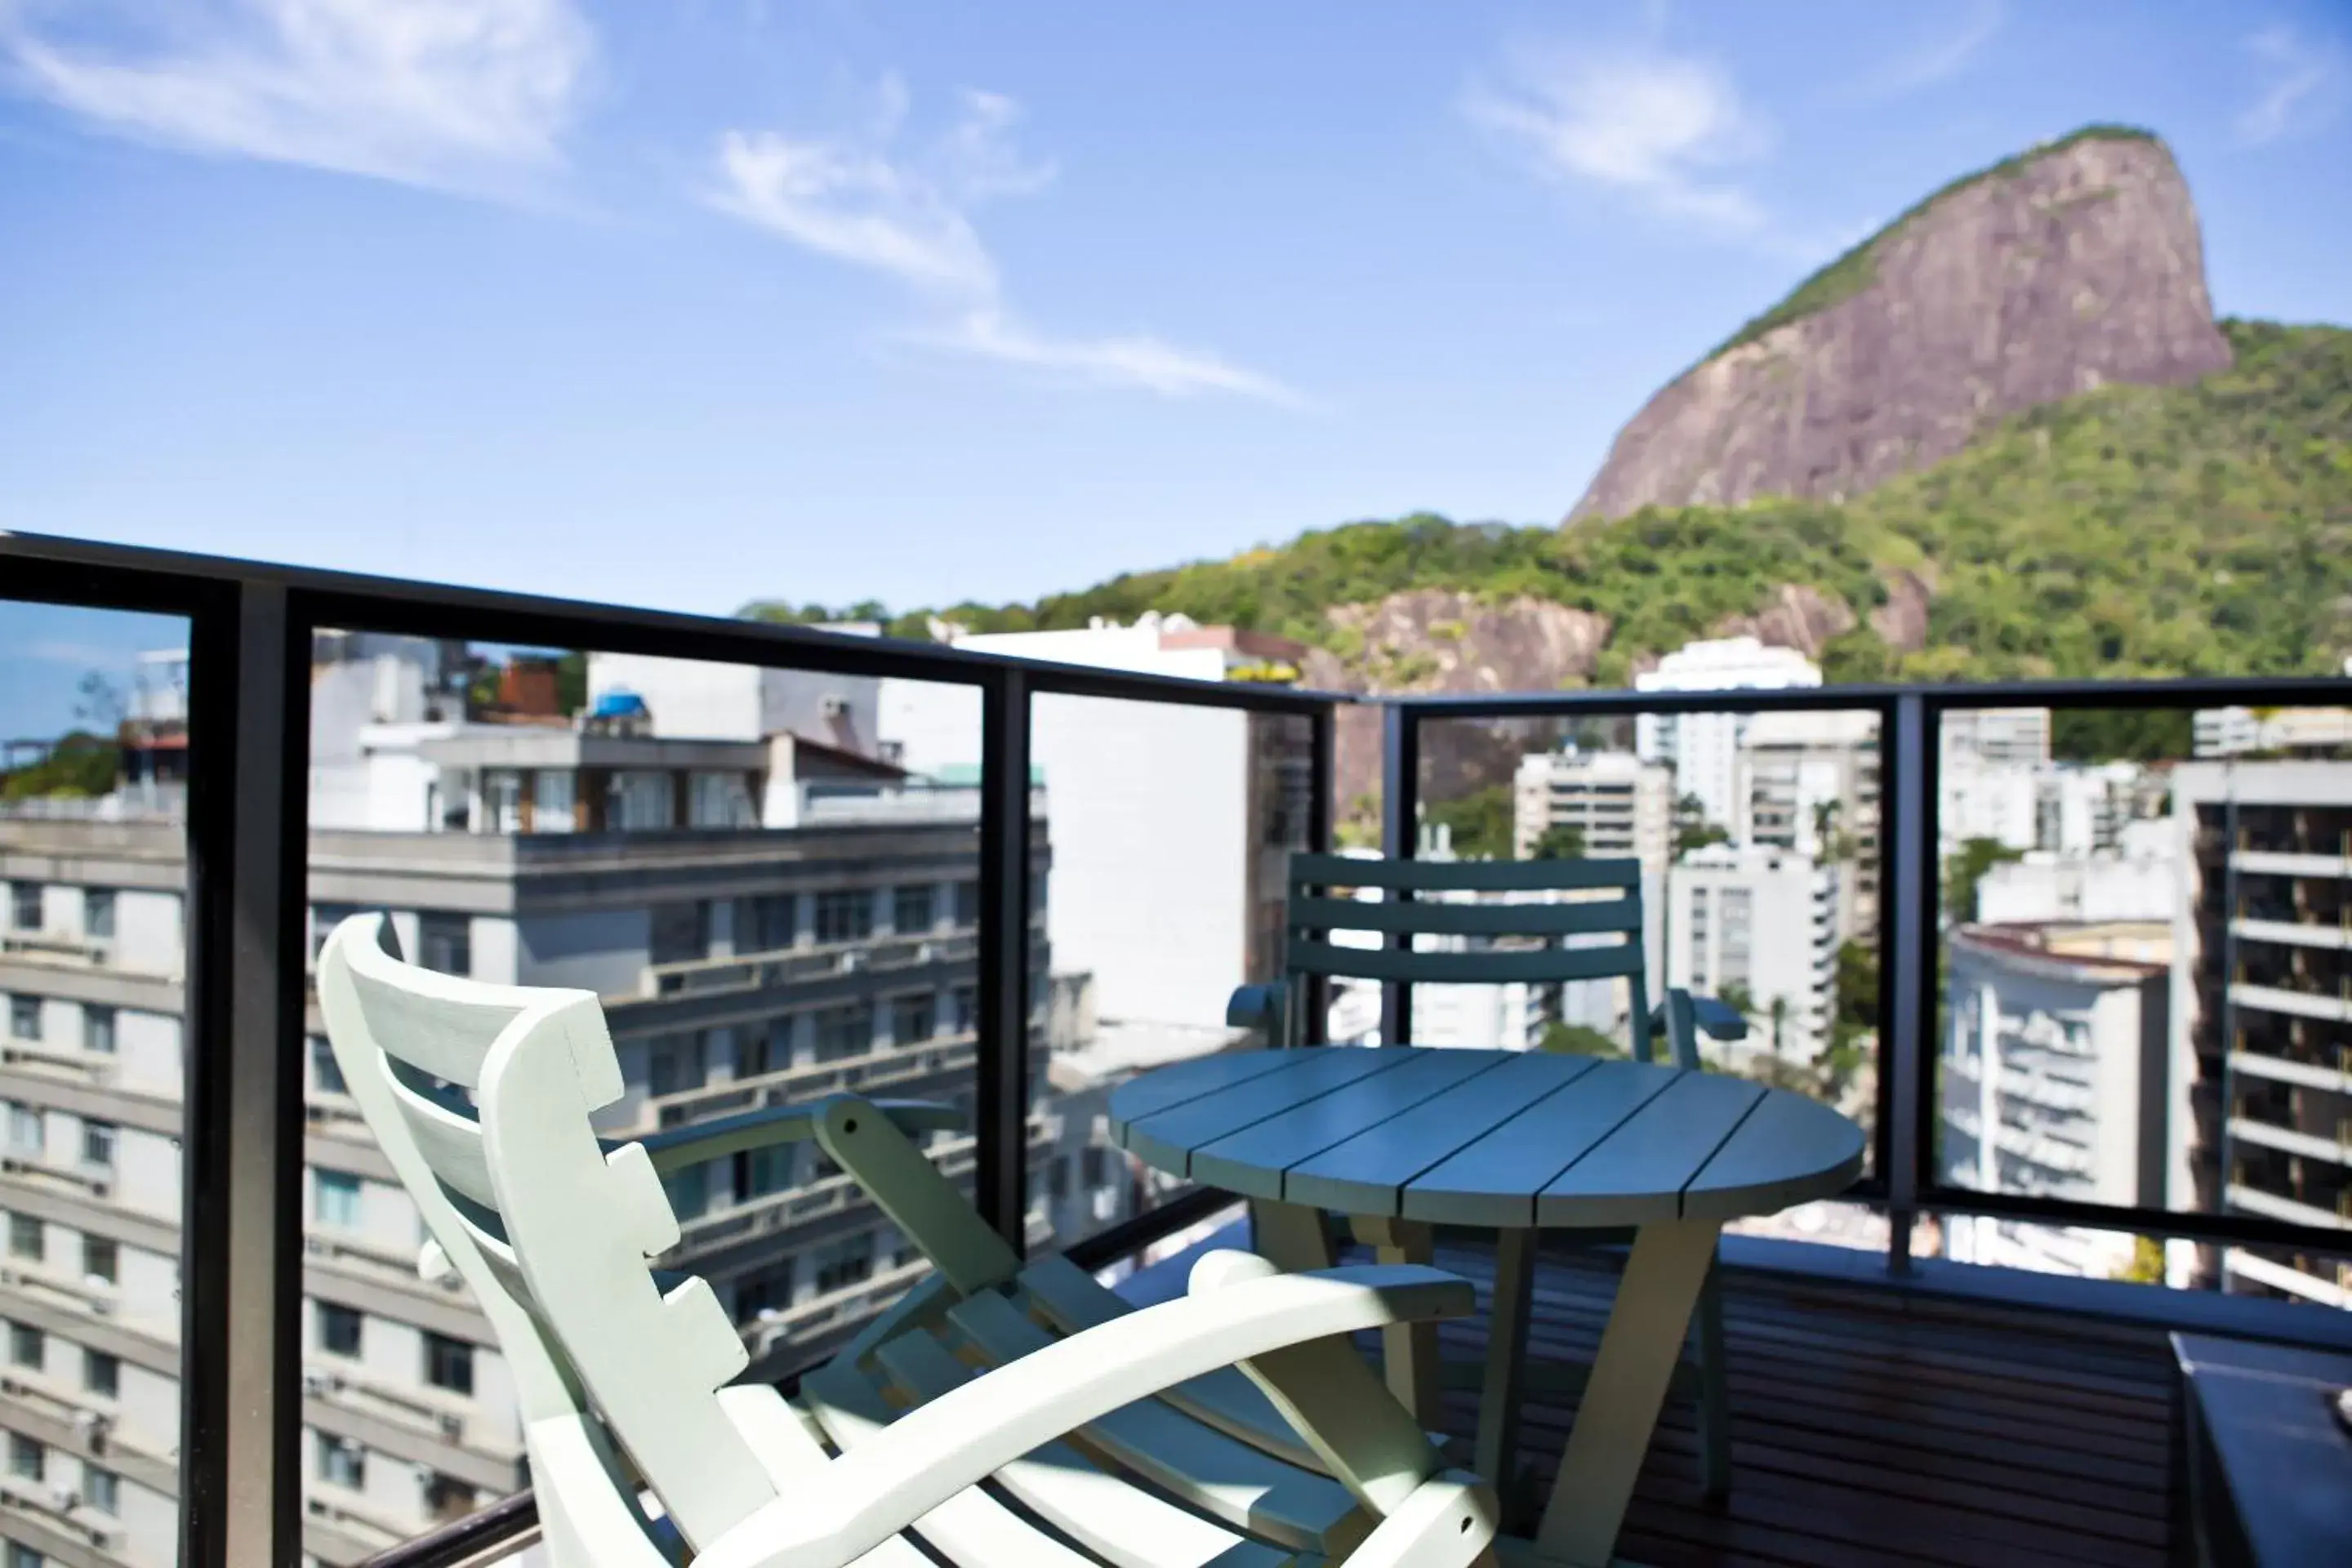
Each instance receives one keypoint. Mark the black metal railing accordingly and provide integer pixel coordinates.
(251, 627)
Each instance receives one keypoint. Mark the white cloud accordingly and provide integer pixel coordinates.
(1945, 57)
(1655, 128)
(470, 95)
(2305, 80)
(1139, 360)
(908, 214)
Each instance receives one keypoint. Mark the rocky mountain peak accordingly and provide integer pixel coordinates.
(2074, 265)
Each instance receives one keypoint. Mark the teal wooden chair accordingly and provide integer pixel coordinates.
(954, 1429)
(1432, 934)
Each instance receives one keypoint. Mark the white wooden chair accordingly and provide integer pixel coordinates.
(480, 1097)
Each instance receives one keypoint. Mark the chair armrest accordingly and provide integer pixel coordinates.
(1710, 1017)
(680, 1147)
(1260, 1007)
(956, 1440)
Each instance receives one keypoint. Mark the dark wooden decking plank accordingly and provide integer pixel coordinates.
(1871, 1428)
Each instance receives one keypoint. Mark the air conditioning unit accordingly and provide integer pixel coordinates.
(851, 961)
(63, 1498)
(317, 1383)
(424, 1474)
(452, 1426)
(101, 1306)
(833, 705)
(101, 1188)
(927, 953)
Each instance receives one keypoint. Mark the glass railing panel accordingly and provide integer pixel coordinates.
(1172, 829)
(1759, 840)
(769, 877)
(93, 965)
(2145, 978)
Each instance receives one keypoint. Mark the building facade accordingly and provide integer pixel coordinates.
(2052, 1081)
(2261, 1004)
(1761, 921)
(1703, 748)
(1809, 785)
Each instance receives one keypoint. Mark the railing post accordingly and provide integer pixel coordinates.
(1400, 822)
(1000, 1105)
(240, 1410)
(1322, 771)
(1911, 882)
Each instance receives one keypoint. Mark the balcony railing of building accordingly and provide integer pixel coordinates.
(252, 627)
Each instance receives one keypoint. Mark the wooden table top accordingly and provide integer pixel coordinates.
(1502, 1139)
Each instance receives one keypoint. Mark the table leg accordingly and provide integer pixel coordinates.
(1410, 1350)
(1507, 1350)
(1289, 1236)
(1639, 1351)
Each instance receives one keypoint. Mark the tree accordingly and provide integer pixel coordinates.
(1480, 822)
(1857, 992)
(2147, 1265)
(1576, 1039)
(1737, 997)
(80, 765)
(99, 703)
(1692, 829)
(572, 682)
(1780, 1011)
(1561, 841)
(1964, 869)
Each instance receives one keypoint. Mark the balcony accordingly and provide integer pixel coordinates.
(1889, 1405)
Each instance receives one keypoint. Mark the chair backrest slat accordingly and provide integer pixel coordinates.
(1424, 916)
(1480, 967)
(1462, 876)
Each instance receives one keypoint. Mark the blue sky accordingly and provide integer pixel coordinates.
(685, 304)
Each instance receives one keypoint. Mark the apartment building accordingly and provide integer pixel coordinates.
(2245, 732)
(2052, 1081)
(1703, 748)
(1809, 785)
(2261, 1008)
(1763, 920)
(742, 961)
(1175, 825)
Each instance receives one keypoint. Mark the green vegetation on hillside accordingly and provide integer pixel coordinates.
(82, 765)
(2132, 530)
(1857, 270)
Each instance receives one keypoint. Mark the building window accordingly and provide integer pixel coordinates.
(773, 923)
(689, 1191)
(849, 1261)
(102, 1375)
(23, 1556)
(967, 1008)
(1092, 1167)
(913, 1018)
(339, 1330)
(25, 1134)
(675, 1063)
(25, 906)
(97, 1030)
(325, 1072)
(101, 1490)
(759, 1172)
(26, 1240)
(552, 802)
(335, 1199)
(97, 913)
(502, 800)
(844, 1031)
(447, 1498)
(967, 903)
(98, 1144)
(27, 1460)
(844, 914)
(341, 1463)
(910, 911)
(24, 1348)
(764, 1288)
(448, 1364)
(101, 1259)
(446, 943)
(1058, 1178)
(25, 1017)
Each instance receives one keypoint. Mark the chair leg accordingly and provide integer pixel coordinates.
(1409, 1350)
(1714, 1397)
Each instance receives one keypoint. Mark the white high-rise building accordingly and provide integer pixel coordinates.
(1809, 782)
(1996, 734)
(1704, 748)
(2053, 1082)
(1175, 825)
(1764, 921)
(2236, 731)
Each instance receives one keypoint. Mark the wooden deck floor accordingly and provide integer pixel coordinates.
(1873, 1428)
